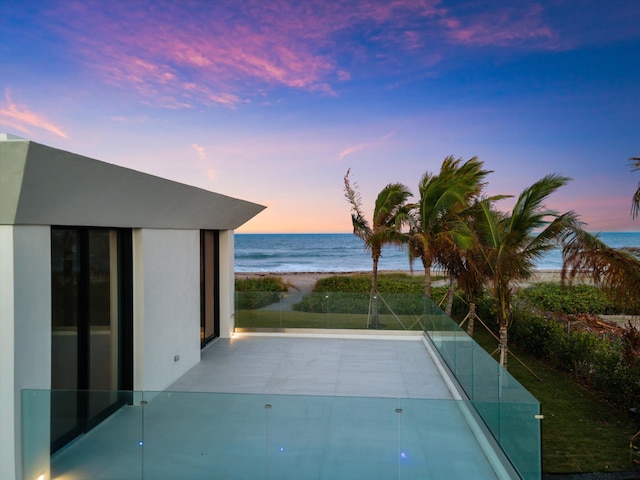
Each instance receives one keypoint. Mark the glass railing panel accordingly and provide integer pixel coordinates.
(187, 434)
(332, 437)
(506, 408)
(485, 392)
(92, 444)
(437, 441)
(521, 438)
(520, 434)
(166, 435)
(36, 424)
(333, 310)
(258, 309)
(465, 350)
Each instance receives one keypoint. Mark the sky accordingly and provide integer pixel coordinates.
(273, 101)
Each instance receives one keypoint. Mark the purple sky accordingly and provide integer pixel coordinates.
(272, 101)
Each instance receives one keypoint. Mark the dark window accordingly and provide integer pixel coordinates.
(91, 327)
(209, 285)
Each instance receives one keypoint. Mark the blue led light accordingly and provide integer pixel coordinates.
(140, 443)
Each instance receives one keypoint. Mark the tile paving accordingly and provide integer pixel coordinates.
(339, 366)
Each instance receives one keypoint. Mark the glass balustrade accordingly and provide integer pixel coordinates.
(168, 435)
(509, 412)
(507, 409)
(330, 310)
(492, 433)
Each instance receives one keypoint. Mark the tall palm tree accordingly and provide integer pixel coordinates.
(474, 271)
(514, 241)
(616, 270)
(635, 201)
(390, 215)
(438, 230)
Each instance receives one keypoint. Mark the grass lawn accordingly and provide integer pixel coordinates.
(291, 319)
(580, 431)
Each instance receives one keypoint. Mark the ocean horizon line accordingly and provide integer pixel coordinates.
(344, 252)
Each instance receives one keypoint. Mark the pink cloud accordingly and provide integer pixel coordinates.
(200, 150)
(21, 118)
(506, 26)
(217, 51)
(361, 146)
(226, 52)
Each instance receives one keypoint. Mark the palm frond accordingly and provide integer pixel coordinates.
(388, 204)
(361, 228)
(615, 269)
(529, 211)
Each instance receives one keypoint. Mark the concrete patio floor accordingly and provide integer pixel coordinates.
(336, 365)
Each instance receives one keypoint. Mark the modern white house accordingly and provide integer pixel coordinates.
(110, 279)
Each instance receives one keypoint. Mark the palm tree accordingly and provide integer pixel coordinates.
(474, 271)
(438, 231)
(514, 241)
(635, 201)
(390, 214)
(616, 270)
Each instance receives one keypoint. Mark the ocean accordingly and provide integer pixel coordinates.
(344, 252)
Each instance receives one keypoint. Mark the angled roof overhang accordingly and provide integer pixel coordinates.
(41, 185)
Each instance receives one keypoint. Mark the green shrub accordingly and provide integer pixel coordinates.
(403, 294)
(611, 366)
(262, 284)
(387, 283)
(254, 293)
(341, 302)
(536, 333)
(574, 299)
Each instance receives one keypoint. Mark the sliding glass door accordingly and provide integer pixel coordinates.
(92, 327)
(209, 285)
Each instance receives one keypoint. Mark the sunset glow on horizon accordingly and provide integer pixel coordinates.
(272, 102)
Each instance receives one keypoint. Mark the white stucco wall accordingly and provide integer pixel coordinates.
(7, 395)
(25, 345)
(166, 323)
(166, 305)
(227, 284)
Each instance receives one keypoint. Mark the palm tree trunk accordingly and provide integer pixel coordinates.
(503, 344)
(502, 294)
(472, 318)
(427, 277)
(450, 291)
(374, 293)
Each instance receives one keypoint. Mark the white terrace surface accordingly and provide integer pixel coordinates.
(316, 366)
(306, 408)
